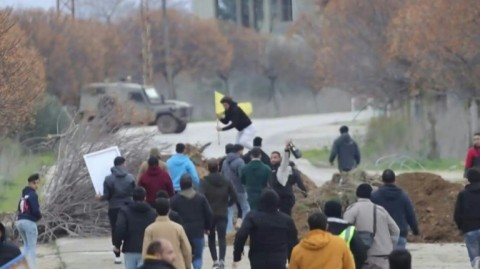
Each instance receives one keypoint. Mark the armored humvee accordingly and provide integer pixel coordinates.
(125, 103)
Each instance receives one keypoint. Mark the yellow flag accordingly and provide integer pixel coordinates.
(247, 107)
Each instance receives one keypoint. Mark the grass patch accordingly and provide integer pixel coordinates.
(318, 157)
(10, 191)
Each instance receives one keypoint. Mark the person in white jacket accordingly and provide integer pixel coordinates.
(380, 231)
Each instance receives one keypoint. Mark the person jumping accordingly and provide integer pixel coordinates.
(239, 120)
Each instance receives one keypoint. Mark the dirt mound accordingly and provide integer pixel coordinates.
(434, 201)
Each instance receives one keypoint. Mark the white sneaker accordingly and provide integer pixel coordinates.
(221, 265)
(216, 265)
(118, 260)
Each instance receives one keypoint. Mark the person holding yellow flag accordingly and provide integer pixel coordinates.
(236, 118)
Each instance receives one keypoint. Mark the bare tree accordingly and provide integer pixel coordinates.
(105, 10)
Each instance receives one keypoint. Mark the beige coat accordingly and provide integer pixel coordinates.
(144, 166)
(360, 214)
(163, 228)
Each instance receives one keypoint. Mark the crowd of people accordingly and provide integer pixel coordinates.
(160, 218)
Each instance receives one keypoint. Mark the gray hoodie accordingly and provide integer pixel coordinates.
(118, 187)
(231, 168)
(346, 150)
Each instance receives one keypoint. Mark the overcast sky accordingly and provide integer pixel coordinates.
(46, 4)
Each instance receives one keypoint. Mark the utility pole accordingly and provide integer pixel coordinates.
(146, 44)
(66, 6)
(167, 56)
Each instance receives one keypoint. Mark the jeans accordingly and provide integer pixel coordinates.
(219, 227)
(197, 248)
(402, 243)
(29, 233)
(245, 137)
(133, 260)
(243, 201)
(472, 240)
(112, 217)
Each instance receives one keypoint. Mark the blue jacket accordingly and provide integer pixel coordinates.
(399, 206)
(34, 207)
(178, 165)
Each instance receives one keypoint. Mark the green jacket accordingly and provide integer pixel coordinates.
(255, 176)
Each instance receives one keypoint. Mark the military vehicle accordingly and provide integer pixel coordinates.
(124, 103)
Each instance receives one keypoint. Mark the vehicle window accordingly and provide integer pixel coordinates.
(94, 91)
(137, 97)
(152, 95)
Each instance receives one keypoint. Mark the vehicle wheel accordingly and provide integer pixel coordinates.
(181, 127)
(167, 124)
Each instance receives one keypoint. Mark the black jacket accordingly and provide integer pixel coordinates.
(345, 149)
(467, 210)
(118, 187)
(33, 213)
(195, 212)
(272, 237)
(175, 217)
(132, 221)
(8, 251)
(219, 192)
(358, 249)
(265, 158)
(398, 205)
(155, 264)
(287, 190)
(236, 117)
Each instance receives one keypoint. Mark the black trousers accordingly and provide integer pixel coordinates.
(286, 204)
(112, 217)
(219, 228)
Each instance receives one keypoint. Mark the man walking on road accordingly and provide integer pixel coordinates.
(473, 154)
(132, 221)
(197, 216)
(238, 120)
(272, 235)
(220, 194)
(160, 255)
(117, 190)
(154, 180)
(231, 169)
(257, 143)
(346, 151)
(378, 230)
(338, 226)
(467, 215)
(284, 176)
(171, 231)
(154, 152)
(28, 216)
(398, 205)
(180, 164)
(255, 176)
(321, 249)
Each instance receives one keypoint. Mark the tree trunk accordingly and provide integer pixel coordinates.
(433, 151)
(315, 101)
(251, 13)
(273, 95)
(226, 83)
(166, 42)
(238, 11)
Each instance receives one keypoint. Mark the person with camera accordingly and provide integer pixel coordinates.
(285, 175)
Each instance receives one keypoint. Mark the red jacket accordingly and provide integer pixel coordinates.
(154, 180)
(473, 158)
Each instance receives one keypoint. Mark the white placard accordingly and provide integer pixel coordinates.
(99, 164)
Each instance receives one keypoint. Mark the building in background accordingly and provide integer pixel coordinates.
(267, 16)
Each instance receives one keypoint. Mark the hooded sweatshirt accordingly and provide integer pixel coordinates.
(321, 249)
(232, 168)
(195, 211)
(467, 215)
(118, 187)
(33, 213)
(8, 251)
(219, 192)
(236, 117)
(132, 221)
(178, 165)
(346, 150)
(399, 206)
(154, 180)
(256, 177)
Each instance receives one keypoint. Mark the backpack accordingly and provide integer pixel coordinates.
(23, 206)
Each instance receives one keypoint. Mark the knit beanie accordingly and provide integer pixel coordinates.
(333, 209)
(155, 152)
(364, 191)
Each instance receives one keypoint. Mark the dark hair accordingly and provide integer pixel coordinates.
(162, 194)
(317, 221)
(364, 190)
(237, 148)
(180, 148)
(212, 165)
(186, 182)
(119, 161)
(154, 247)
(333, 209)
(33, 178)
(473, 175)
(343, 129)
(278, 153)
(388, 176)
(269, 201)
(400, 259)
(229, 148)
(257, 141)
(139, 194)
(476, 134)
(153, 161)
(256, 153)
(162, 206)
(227, 100)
